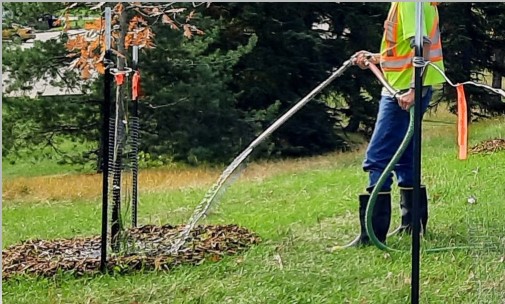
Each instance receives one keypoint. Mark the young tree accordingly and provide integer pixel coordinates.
(128, 26)
(131, 26)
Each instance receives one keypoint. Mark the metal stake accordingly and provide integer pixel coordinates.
(105, 139)
(417, 156)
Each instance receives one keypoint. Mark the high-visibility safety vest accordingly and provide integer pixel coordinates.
(396, 51)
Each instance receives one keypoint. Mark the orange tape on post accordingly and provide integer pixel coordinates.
(119, 79)
(462, 123)
(136, 85)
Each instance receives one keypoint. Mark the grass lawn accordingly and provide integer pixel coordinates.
(299, 208)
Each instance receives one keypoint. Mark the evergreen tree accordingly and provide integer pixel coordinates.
(189, 112)
(470, 41)
(30, 13)
(206, 97)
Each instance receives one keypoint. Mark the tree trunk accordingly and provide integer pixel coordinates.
(499, 59)
(119, 137)
(499, 66)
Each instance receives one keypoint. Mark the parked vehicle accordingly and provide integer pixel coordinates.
(51, 20)
(17, 32)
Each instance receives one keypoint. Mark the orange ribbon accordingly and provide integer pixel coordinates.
(119, 79)
(136, 85)
(462, 123)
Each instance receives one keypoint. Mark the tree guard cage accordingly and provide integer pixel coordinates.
(120, 136)
(135, 133)
(149, 246)
(116, 137)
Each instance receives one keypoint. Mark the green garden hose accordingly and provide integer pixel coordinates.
(376, 190)
(389, 168)
(382, 179)
(395, 159)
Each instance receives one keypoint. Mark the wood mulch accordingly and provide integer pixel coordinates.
(489, 146)
(142, 248)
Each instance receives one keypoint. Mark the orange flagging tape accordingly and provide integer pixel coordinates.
(119, 79)
(136, 85)
(462, 123)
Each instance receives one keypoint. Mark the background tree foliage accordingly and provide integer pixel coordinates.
(30, 13)
(207, 97)
(190, 113)
(473, 42)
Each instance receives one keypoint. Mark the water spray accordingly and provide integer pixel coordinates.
(224, 180)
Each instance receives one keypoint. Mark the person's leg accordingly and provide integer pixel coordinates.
(404, 172)
(381, 217)
(406, 202)
(390, 129)
(405, 166)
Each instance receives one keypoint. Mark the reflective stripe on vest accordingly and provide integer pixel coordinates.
(391, 61)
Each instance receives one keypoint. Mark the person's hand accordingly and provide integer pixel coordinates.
(362, 58)
(406, 100)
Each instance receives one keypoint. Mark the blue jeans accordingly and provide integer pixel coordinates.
(390, 129)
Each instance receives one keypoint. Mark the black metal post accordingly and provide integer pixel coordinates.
(105, 141)
(417, 157)
(135, 139)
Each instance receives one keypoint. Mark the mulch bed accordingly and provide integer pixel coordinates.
(489, 146)
(142, 248)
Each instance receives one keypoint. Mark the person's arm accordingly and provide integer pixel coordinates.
(407, 99)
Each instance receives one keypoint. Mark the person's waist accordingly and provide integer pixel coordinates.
(385, 92)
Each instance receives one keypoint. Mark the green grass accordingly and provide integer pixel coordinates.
(299, 215)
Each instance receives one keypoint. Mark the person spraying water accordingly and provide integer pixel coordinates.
(381, 160)
(396, 61)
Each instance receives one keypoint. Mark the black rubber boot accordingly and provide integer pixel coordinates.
(381, 217)
(407, 198)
